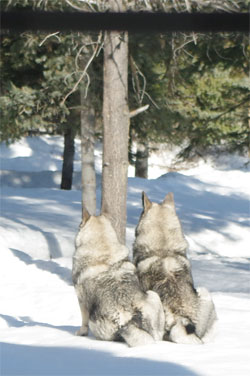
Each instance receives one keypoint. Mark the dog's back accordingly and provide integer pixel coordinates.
(160, 256)
(108, 289)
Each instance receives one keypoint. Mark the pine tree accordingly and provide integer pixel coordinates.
(197, 90)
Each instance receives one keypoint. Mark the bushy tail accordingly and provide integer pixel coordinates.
(135, 336)
(148, 326)
(153, 314)
(206, 314)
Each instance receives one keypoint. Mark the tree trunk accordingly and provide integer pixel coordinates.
(141, 163)
(87, 154)
(68, 158)
(115, 128)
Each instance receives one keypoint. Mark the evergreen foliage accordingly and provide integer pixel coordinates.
(197, 86)
(200, 90)
(38, 71)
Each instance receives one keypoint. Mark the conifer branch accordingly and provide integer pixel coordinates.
(230, 109)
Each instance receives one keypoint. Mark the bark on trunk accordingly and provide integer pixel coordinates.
(115, 128)
(87, 155)
(141, 163)
(68, 158)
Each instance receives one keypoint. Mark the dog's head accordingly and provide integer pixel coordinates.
(96, 227)
(96, 236)
(159, 227)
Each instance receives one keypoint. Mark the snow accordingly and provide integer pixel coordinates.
(39, 312)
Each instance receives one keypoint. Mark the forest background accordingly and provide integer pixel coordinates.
(190, 90)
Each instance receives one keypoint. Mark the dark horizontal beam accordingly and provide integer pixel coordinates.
(135, 22)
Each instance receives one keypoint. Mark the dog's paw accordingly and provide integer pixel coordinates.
(190, 339)
(178, 334)
(83, 331)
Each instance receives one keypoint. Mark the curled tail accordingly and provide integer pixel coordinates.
(147, 325)
(206, 314)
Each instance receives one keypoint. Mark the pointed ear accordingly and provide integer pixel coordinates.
(146, 203)
(85, 216)
(169, 200)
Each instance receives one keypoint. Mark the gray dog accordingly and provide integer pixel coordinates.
(162, 265)
(111, 300)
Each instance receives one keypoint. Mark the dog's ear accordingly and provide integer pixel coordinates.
(146, 203)
(169, 200)
(85, 216)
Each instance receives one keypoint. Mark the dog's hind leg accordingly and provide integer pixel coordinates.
(135, 336)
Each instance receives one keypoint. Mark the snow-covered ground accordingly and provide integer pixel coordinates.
(38, 308)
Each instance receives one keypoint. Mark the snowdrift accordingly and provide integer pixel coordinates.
(39, 312)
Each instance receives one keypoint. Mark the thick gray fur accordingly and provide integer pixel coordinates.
(159, 254)
(112, 303)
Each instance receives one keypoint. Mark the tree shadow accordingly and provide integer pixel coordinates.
(58, 210)
(244, 266)
(198, 204)
(24, 321)
(41, 179)
(64, 360)
(53, 245)
(31, 179)
(47, 265)
(220, 275)
(39, 204)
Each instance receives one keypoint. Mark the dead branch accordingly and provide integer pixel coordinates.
(84, 72)
(138, 111)
(136, 72)
(49, 36)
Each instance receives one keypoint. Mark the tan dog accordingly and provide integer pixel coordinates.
(162, 266)
(111, 300)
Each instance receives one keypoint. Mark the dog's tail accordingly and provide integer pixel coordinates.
(206, 315)
(135, 336)
(153, 314)
(147, 325)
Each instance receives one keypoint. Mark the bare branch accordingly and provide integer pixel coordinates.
(49, 36)
(138, 111)
(96, 43)
(87, 85)
(84, 72)
(136, 84)
(135, 80)
(73, 6)
(88, 3)
(245, 100)
(68, 76)
(188, 6)
(182, 45)
(149, 97)
(78, 55)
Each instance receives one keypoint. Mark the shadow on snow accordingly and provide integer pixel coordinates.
(62, 360)
(198, 204)
(47, 265)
